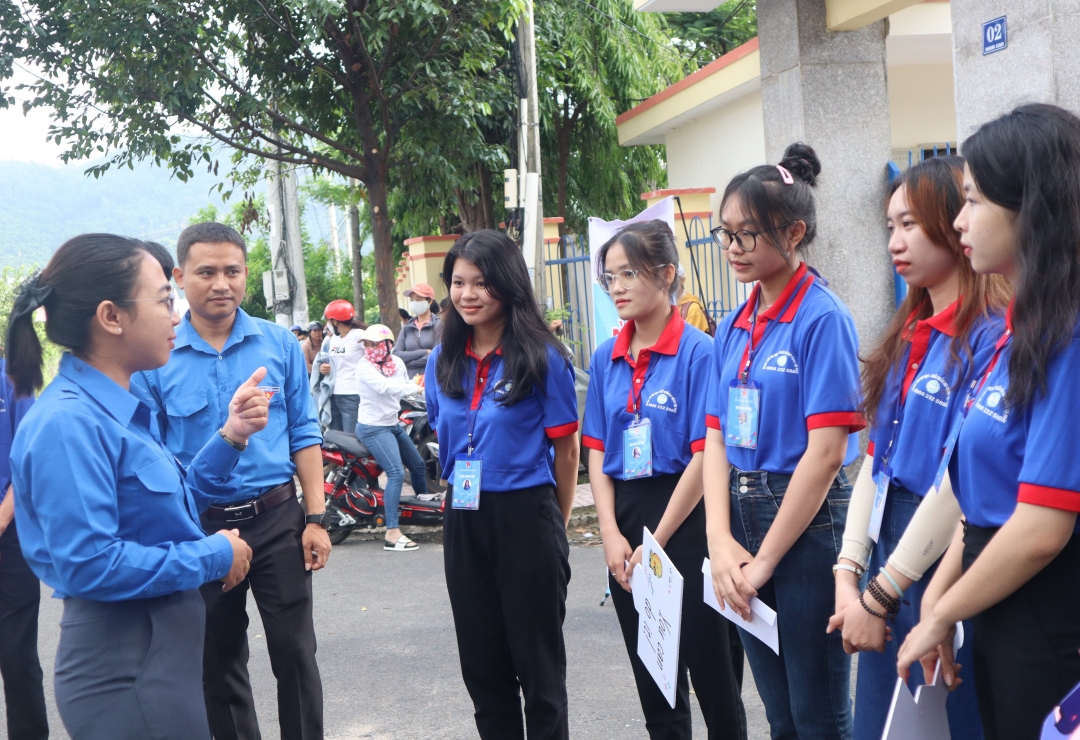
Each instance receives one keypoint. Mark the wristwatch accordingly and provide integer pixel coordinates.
(319, 519)
(239, 446)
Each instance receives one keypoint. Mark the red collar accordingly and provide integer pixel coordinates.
(469, 351)
(747, 315)
(943, 321)
(1008, 315)
(667, 344)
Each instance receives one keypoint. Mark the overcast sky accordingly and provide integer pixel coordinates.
(22, 138)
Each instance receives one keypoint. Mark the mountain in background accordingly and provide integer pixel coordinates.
(42, 206)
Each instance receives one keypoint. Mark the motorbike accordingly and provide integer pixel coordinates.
(414, 419)
(354, 497)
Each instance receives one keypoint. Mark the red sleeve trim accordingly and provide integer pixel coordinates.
(561, 430)
(592, 442)
(712, 422)
(853, 420)
(870, 449)
(698, 445)
(1054, 498)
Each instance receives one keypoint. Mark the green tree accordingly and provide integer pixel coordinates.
(594, 62)
(705, 37)
(333, 85)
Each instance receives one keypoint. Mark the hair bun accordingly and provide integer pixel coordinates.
(802, 162)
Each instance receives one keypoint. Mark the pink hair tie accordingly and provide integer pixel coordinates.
(785, 175)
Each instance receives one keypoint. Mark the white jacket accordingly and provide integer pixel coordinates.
(380, 396)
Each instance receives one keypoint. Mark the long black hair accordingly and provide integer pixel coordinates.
(1028, 161)
(526, 338)
(769, 201)
(84, 272)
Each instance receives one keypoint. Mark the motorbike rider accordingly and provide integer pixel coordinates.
(382, 381)
(312, 343)
(345, 351)
(420, 334)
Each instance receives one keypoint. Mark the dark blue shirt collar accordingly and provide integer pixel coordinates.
(243, 326)
(117, 402)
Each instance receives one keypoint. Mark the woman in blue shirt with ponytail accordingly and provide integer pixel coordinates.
(106, 515)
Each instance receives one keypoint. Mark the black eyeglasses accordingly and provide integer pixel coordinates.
(747, 240)
(169, 300)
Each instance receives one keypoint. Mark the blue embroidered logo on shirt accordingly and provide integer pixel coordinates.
(933, 388)
(502, 388)
(781, 362)
(662, 400)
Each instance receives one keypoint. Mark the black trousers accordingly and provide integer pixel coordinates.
(705, 642)
(282, 591)
(20, 594)
(507, 569)
(1026, 646)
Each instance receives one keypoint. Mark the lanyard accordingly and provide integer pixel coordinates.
(636, 389)
(977, 386)
(471, 413)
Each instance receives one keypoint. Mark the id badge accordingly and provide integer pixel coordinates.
(743, 414)
(637, 450)
(950, 445)
(882, 480)
(467, 482)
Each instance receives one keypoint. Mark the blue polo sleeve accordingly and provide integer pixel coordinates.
(431, 388)
(594, 425)
(1049, 476)
(717, 395)
(829, 374)
(701, 370)
(303, 420)
(560, 398)
(74, 501)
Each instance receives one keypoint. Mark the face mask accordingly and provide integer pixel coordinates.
(417, 308)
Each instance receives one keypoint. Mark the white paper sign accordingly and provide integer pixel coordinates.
(923, 716)
(762, 624)
(658, 590)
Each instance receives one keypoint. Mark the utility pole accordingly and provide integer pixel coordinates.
(335, 244)
(285, 285)
(530, 190)
(354, 250)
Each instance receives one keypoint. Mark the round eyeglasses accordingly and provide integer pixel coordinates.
(169, 300)
(747, 240)
(627, 278)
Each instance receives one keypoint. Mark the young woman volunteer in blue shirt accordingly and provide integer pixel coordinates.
(782, 414)
(1014, 563)
(653, 377)
(106, 515)
(914, 384)
(500, 393)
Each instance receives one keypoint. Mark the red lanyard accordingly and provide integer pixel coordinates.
(976, 389)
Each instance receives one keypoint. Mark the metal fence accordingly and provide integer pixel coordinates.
(707, 275)
(569, 288)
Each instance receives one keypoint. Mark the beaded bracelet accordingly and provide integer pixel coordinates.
(871, 611)
(892, 605)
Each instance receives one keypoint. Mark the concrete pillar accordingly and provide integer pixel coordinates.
(1040, 64)
(425, 260)
(828, 89)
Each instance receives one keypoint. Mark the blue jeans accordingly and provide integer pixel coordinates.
(394, 452)
(806, 689)
(877, 671)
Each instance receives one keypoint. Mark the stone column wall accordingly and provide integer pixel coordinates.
(828, 89)
(1040, 64)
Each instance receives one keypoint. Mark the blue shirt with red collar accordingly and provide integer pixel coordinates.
(668, 385)
(805, 359)
(514, 442)
(924, 393)
(1006, 455)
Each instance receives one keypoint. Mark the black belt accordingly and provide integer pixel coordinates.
(250, 509)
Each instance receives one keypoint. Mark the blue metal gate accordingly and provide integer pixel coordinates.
(707, 275)
(569, 290)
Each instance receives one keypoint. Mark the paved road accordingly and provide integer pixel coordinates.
(389, 660)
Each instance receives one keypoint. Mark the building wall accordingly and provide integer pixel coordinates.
(921, 108)
(712, 149)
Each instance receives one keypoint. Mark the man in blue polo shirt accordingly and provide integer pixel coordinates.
(218, 346)
(20, 594)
